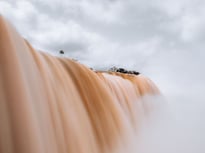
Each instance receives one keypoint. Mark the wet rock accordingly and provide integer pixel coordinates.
(122, 70)
(136, 73)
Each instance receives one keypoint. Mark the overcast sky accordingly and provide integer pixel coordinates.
(163, 39)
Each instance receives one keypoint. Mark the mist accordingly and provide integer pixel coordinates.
(177, 126)
(161, 40)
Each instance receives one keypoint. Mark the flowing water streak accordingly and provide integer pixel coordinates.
(56, 105)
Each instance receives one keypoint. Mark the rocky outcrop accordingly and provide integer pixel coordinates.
(122, 70)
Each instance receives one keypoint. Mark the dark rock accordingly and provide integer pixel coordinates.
(122, 70)
(136, 73)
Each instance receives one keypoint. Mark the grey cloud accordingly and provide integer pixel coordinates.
(69, 47)
(159, 38)
(164, 40)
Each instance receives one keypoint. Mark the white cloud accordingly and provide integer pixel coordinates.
(159, 38)
(162, 39)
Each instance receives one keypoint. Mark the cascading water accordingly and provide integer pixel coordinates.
(56, 105)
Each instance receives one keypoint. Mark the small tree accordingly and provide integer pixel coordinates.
(61, 52)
